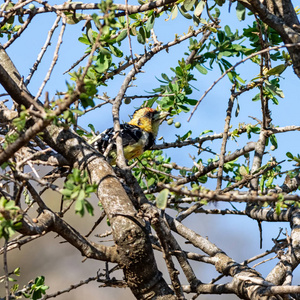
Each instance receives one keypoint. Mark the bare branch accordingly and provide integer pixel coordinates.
(237, 64)
(224, 141)
(43, 51)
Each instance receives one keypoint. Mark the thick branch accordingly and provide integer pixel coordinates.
(132, 9)
(132, 240)
(224, 264)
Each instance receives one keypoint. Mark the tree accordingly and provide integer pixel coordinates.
(138, 198)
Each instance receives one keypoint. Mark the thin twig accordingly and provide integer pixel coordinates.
(188, 212)
(43, 51)
(250, 177)
(3, 6)
(54, 60)
(225, 138)
(20, 241)
(264, 261)
(233, 67)
(19, 32)
(5, 267)
(77, 62)
(102, 216)
(72, 287)
(128, 33)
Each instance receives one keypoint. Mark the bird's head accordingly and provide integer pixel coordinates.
(148, 119)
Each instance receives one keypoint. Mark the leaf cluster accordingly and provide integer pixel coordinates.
(10, 218)
(149, 170)
(77, 188)
(37, 289)
(175, 90)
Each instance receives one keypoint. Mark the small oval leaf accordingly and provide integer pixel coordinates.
(162, 199)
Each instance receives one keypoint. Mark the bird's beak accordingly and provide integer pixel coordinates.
(160, 116)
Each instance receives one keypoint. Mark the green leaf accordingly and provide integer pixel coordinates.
(199, 8)
(103, 62)
(261, 183)
(256, 97)
(81, 195)
(243, 170)
(240, 11)
(196, 20)
(290, 155)
(165, 77)
(273, 141)
(91, 126)
(115, 51)
(89, 207)
(162, 199)
(205, 132)
(150, 22)
(201, 69)
(141, 37)
(79, 207)
(184, 108)
(220, 2)
(11, 279)
(151, 181)
(73, 18)
(269, 182)
(217, 13)
(191, 101)
(76, 174)
(174, 12)
(188, 4)
(212, 29)
(66, 192)
(187, 135)
(273, 88)
(121, 36)
(39, 280)
(90, 189)
(185, 14)
(228, 31)
(17, 271)
(237, 111)
(276, 70)
(105, 31)
(96, 20)
(74, 194)
(278, 207)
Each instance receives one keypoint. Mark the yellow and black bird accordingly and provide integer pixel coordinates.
(138, 135)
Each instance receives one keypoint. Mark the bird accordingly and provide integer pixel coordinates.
(138, 135)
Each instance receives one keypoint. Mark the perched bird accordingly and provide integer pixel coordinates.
(138, 134)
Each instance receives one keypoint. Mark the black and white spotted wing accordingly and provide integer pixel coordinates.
(131, 135)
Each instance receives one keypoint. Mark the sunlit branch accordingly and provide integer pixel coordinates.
(19, 242)
(200, 140)
(235, 197)
(132, 9)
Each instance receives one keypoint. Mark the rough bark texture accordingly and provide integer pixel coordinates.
(130, 235)
(131, 215)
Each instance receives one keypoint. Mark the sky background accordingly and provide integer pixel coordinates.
(236, 235)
